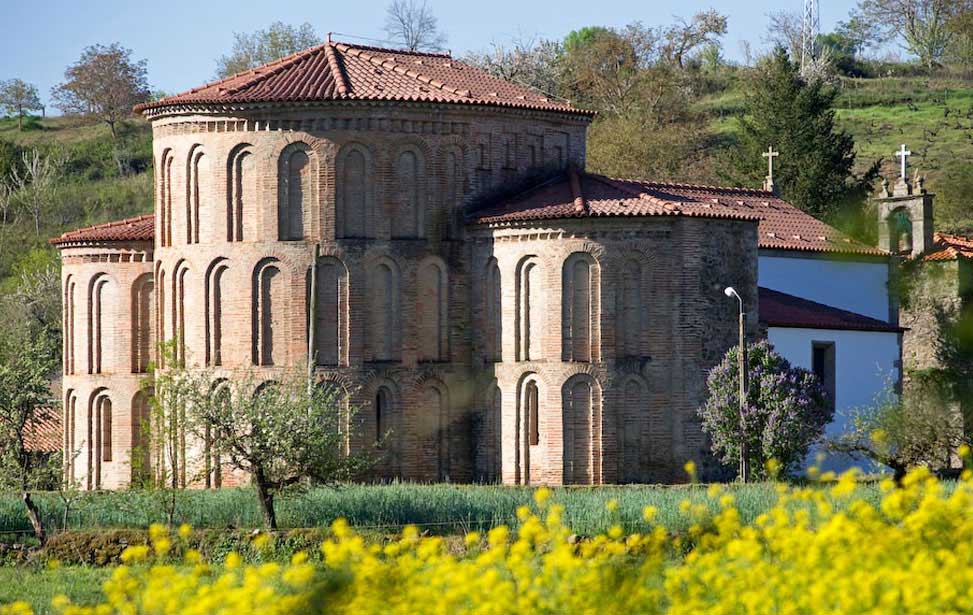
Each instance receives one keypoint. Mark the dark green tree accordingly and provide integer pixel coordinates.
(815, 170)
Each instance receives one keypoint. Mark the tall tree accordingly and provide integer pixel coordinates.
(19, 97)
(413, 25)
(25, 403)
(923, 25)
(796, 116)
(685, 37)
(264, 46)
(104, 84)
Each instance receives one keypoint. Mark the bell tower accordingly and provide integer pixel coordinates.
(905, 214)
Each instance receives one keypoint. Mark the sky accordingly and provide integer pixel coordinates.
(181, 39)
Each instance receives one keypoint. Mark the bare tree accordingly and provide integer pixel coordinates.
(413, 25)
(784, 30)
(264, 46)
(36, 185)
(683, 37)
(104, 84)
(6, 208)
(526, 60)
(19, 97)
(923, 25)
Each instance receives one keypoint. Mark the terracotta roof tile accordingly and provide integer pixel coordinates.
(339, 71)
(44, 434)
(949, 247)
(782, 226)
(779, 309)
(141, 228)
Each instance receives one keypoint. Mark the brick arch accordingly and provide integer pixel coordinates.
(165, 196)
(581, 416)
(529, 303)
(102, 303)
(631, 422)
(453, 188)
(70, 440)
(143, 314)
(492, 301)
(383, 333)
(140, 457)
(409, 166)
(298, 185)
(432, 309)
(180, 273)
(580, 308)
(69, 315)
(98, 441)
(490, 433)
(332, 311)
(160, 308)
(434, 428)
(241, 189)
(199, 210)
(530, 397)
(384, 422)
(270, 307)
(213, 303)
(355, 197)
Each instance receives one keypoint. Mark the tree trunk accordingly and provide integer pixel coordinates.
(35, 517)
(266, 497)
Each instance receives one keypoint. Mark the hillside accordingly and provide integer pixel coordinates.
(101, 180)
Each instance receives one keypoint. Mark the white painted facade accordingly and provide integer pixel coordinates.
(859, 286)
(866, 365)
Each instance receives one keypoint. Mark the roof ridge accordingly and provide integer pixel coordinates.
(580, 203)
(620, 184)
(407, 52)
(363, 53)
(336, 71)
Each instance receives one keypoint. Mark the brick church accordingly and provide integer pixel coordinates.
(425, 235)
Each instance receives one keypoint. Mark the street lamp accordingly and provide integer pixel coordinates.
(729, 291)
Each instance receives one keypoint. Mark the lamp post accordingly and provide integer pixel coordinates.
(729, 291)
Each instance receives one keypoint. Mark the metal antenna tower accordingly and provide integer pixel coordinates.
(810, 29)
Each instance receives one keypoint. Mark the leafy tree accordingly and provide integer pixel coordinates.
(923, 25)
(105, 83)
(264, 46)
(960, 50)
(920, 428)
(413, 25)
(786, 409)
(19, 97)
(25, 403)
(784, 29)
(815, 170)
(284, 434)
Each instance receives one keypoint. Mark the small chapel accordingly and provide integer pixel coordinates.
(426, 238)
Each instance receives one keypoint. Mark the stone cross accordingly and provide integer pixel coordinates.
(770, 154)
(903, 154)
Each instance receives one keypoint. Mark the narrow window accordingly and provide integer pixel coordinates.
(142, 316)
(405, 223)
(493, 331)
(352, 194)
(577, 308)
(823, 366)
(214, 313)
(383, 335)
(529, 315)
(240, 190)
(330, 312)
(295, 192)
(533, 414)
(431, 307)
(268, 315)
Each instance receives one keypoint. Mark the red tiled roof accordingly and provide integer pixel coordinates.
(782, 226)
(779, 309)
(339, 71)
(44, 434)
(949, 247)
(141, 228)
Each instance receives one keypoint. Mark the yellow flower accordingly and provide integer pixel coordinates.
(192, 557)
(162, 546)
(541, 496)
(472, 539)
(649, 513)
(157, 531)
(523, 513)
(262, 541)
(53, 564)
(185, 531)
(233, 560)
(615, 532)
(611, 505)
(135, 554)
(690, 468)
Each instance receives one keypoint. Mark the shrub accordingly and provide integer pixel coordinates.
(785, 412)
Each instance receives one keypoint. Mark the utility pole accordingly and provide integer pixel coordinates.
(810, 29)
(729, 291)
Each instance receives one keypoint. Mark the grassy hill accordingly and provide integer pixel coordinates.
(102, 180)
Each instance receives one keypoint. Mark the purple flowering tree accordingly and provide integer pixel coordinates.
(786, 410)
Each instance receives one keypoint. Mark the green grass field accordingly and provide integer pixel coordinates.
(443, 509)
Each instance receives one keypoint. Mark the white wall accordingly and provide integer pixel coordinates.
(865, 366)
(860, 287)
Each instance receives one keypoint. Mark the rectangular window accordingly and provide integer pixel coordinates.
(823, 366)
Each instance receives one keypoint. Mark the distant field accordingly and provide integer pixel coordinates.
(38, 585)
(443, 509)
